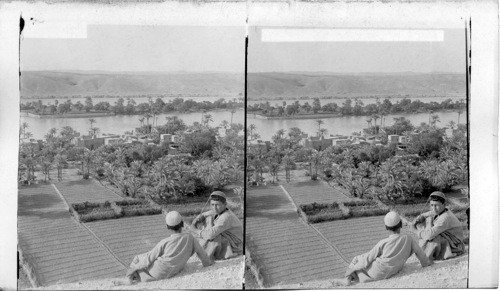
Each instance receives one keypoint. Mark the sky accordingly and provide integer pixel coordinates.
(134, 48)
(447, 55)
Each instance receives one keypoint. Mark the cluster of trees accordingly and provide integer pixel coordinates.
(206, 160)
(432, 161)
(129, 106)
(356, 106)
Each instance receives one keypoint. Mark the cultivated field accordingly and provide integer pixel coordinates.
(314, 191)
(57, 248)
(130, 236)
(86, 190)
(285, 248)
(293, 254)
(354, 236)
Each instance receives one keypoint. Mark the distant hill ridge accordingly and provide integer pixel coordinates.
(298, 84)
(71, 83)
(260, 85)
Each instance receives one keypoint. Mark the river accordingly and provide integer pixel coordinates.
(345, 125)
(118, 124)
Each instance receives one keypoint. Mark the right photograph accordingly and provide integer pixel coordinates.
(357, 166)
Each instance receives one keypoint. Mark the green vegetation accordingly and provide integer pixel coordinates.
(320, 212)
(355, 107)
(87, 211)
(428, 161)
(365, 208)
(203, 161)
(128, 106)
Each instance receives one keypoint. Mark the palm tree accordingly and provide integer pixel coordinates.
(207, 118)
(369, 122)
(52, 133)
(319, 122)
(60, 160)
(375, 117)
(252, 127)
(28, 135)
(288, 163)
(233, 111)
(224, 124)
(460, 111)
(147, 116)
(141, 120)
(24, 126)
(95, 131)
(280, 133)
(322, 132)
(451, 124)
(92, 121)
(434, 119)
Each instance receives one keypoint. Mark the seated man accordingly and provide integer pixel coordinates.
(222, 235)
(169, 256)
(439, 230)
(387, 257)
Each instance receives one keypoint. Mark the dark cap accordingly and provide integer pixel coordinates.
(439, 196)
(218, 195)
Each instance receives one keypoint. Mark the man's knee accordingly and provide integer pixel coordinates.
(211, 247)
(432, 249)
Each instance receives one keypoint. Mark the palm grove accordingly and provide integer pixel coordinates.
(205, 160)
(431, 161)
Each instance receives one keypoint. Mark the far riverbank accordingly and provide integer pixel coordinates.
(67, 115)
(327, 115)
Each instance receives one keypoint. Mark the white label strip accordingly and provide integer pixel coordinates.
(339, 35)
(57, 29)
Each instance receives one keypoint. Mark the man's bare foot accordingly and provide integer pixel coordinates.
(341, 282)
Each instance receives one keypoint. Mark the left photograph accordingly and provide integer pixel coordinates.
(131, 156)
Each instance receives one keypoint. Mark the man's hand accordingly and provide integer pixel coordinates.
(420, 219)
(197, 219)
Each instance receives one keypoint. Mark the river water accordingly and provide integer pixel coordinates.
(341, 125)
(266, 128)
(118, 124)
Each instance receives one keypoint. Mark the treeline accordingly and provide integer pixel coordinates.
(356, 107)
(129, 106)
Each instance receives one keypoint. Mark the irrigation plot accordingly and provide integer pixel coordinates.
(56, 247)
(314, 191)
(283, 247)
(130, 236)
(79, 191)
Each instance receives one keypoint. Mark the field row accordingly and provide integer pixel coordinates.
(58, 248)
(314, 191)
(86, 190)
(284, 248)
(130, 236)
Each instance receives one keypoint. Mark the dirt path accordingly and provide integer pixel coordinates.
(221, 275)
(59, 248)
(285, 248)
